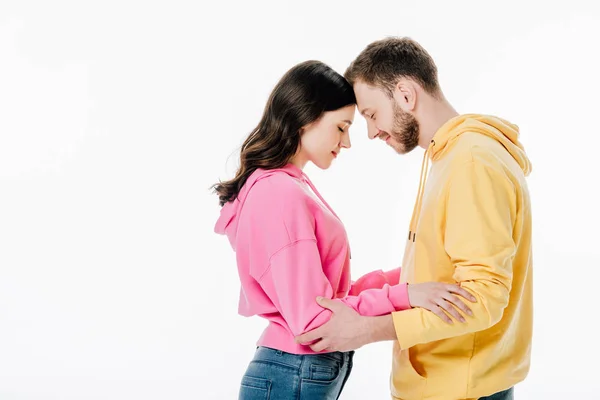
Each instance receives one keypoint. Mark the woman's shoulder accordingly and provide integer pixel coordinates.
(277, 186)
(280, 202)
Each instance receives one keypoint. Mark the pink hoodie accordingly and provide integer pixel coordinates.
(291, 247)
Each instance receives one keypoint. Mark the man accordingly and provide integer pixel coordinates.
(471, 225)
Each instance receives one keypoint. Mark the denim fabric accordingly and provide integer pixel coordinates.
(504, 395)
(277, 375)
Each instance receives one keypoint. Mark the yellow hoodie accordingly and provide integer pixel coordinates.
(472, 225)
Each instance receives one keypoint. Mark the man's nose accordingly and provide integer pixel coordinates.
(372, 131)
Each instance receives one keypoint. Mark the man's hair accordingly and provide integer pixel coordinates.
(382, 64)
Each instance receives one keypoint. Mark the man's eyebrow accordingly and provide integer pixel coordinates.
(364, 111)
(347, 121)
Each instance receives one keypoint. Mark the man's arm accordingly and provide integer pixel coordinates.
(381, 329)
(347, 330)
(478, 237)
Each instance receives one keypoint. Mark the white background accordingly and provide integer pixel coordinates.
(117, 116)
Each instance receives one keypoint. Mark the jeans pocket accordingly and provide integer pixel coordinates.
(255, 388)
(324, 373)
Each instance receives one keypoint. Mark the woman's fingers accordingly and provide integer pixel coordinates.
(457, 302)
(461, 292)
(450, 309)
(437, 310)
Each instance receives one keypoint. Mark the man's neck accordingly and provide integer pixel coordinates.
(433, 114)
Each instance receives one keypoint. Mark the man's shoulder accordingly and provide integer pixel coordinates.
(473, 147)
(475, 143)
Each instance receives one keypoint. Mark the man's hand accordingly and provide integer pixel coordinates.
(439, 297)
(346, 330)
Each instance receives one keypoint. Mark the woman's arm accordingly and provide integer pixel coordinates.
(375, 280)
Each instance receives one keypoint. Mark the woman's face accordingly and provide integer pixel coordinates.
(322, 141)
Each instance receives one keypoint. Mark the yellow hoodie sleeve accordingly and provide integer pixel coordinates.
(480, 209)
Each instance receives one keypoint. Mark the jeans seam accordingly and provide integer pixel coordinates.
(331, 358)
(275, 363)
(345, 379)
(299, 391)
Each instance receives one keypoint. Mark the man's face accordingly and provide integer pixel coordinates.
(386, 120)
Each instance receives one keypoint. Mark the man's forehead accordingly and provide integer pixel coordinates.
(364, 96)
(361, 88)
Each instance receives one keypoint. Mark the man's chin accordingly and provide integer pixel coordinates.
(401, 149)
(397, 147)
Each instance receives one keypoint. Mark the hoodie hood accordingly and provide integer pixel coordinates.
(496, 128)
(502, 131)
(227, 222)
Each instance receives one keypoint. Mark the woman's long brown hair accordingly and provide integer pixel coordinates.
(302, 95)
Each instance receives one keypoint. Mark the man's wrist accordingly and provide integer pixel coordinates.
(381, 328)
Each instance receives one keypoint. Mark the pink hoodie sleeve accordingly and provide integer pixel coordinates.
(295, 278)
(375, 280)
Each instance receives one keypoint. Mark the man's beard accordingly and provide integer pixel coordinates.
(405, 130)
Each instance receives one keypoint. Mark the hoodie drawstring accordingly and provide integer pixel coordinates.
(412, 233)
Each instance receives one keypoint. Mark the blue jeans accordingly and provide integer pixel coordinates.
(276, 375)
(505, 395)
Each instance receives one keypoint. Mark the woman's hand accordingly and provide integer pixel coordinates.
(439, 297)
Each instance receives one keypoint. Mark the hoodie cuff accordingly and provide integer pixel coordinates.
(408, 326)
(398, 295)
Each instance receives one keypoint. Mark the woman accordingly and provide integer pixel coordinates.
(290, 245)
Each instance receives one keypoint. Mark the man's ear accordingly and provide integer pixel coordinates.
(405, 94)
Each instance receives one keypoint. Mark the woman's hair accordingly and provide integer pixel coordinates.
(302, 95)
